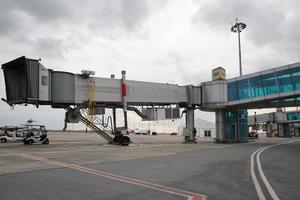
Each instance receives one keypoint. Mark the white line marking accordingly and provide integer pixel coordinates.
(259, 192)
(146, 184)
(263, 177)
(261, 172)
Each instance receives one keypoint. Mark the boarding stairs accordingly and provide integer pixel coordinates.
(103, 129)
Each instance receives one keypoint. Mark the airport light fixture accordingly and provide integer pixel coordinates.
(238, 27)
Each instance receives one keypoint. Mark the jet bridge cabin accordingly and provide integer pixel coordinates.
(26, 81)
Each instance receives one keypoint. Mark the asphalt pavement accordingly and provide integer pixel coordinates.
(84, 169)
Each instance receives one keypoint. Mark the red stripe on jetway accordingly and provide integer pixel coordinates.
(124, 90)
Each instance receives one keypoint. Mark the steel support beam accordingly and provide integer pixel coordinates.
(114, 119)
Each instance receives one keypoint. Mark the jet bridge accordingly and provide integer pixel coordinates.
(230, 98)
(27, 81)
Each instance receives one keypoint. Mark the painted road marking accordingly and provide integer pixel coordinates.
(261, 172)
(259, 192)
(142, 183)
(263, 177)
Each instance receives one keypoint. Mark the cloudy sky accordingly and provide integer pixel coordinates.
(154, 40)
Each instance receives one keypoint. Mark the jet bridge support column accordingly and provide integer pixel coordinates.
(190, 133)
(114, 119)
(220, 126)
(124, 98)
(269, 129)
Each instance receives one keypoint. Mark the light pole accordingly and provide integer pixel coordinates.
(238, 27)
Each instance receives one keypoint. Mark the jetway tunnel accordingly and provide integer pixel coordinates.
(27, 81)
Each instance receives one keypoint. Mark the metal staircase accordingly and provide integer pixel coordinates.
(100, 132)
(103, 129)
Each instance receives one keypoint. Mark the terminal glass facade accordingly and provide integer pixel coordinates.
(296, 78)
(237, 125)
(272, 83)
(285, 82)
(232, 91)
(293, 116)
(257, 88)
(243, 89)
(269, 83)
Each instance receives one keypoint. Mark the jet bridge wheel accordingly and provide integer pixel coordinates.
(122, 140)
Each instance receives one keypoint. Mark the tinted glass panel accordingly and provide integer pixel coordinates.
(232, 91)
(269, 83)
(237, 125)
(243, 89)
(296, 77)
(256, 86)
(231, 122)
(293, 116)
(284, 81)
(243, 125)
(44, 80)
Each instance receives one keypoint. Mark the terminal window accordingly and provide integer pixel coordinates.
(207, 133)
(286, 80)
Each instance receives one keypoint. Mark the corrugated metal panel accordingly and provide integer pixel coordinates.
(148, 92)
(32, 79)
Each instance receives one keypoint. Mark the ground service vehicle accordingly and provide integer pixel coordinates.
(36, 134)
(11, 134)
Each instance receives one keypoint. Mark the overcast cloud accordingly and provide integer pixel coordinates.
(161, 41)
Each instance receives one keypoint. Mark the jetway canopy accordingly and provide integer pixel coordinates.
(21, 78)
(27, 81)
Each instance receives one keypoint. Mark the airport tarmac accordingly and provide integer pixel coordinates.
(83, 166)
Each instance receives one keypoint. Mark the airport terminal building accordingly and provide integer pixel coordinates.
(204, 128)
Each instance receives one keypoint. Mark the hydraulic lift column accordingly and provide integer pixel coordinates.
(220, 126)
(114, 119)
(124, 99)
(190, 131)
(112, 76)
